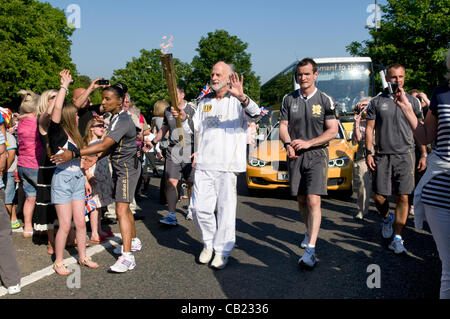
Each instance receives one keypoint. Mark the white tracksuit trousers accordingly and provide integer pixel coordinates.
(211, 188)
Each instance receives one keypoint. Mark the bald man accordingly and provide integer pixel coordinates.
(82, 101)
(220, 125)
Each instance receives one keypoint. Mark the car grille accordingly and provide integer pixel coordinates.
(262, 181)
(335, 181)
(280, 166)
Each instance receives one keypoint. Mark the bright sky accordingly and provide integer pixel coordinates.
(278, 32)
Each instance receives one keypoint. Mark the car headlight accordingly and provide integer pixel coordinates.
(339, 162)
(257, 162)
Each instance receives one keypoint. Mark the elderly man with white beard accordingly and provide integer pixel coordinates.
(220, 125)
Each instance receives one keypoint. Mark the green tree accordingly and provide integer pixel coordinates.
(145, 81)
(415, 34)
(34, 46)
(221, 46)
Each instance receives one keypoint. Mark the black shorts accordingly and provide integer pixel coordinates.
(125, 178)
(179, 170)
(308, 173)
(394, 174)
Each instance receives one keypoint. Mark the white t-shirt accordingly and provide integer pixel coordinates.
(221, 127)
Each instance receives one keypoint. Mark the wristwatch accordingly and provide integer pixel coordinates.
(368, 152)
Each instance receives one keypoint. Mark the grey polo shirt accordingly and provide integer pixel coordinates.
(307, 117)
(393, 135)
(122, 130)
(170, 121)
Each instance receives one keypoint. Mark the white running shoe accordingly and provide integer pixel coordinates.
(123, 264)
(386, 229)
(12, 290)
(397, 246)
(136, 245)
(308, 259)
(205, 255)
(189, 214)
(219, 261)
(305, 241)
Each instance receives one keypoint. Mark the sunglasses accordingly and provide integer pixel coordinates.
(99, 125)
(51, 97)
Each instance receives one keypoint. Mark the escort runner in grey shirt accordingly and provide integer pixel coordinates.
(123, 132)
(307, 117)
(170, 121)
(127, 167)
(308, 121)
(393, 133)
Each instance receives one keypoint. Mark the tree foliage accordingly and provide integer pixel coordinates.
(221, 46)
(34, 46)
(415, 34)
(145, 81)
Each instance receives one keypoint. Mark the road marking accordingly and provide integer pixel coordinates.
(90, 251)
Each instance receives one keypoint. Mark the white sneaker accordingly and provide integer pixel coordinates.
(123, 264)
(12, 290)
(397, 246)
(305, 241)
(219, 261)
(205, 255)
(189, 214)
(386, 229)
(136, 245)
(308, 259)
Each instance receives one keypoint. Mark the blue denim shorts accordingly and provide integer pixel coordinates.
(29, 177)
(67, 186)
(10, 188)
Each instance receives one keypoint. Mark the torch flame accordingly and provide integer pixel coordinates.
(165, 47)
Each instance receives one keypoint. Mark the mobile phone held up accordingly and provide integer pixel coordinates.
(103, 82)
(393, 87)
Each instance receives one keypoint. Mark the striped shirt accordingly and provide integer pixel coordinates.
(440, 107)
(436, 192)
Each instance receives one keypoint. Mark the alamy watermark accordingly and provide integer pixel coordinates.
(73, 12)
(373, 20)
(74, 279)
(374, 279)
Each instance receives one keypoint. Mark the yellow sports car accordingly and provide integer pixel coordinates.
(267, 166)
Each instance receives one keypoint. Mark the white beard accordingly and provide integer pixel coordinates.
(218, 86)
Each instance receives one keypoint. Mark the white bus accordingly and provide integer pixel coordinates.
(345, 79)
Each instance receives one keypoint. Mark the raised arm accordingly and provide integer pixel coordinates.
(80, 102)
(425, 133)
(66, 79)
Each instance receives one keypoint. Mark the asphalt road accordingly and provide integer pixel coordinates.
(262, 265)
